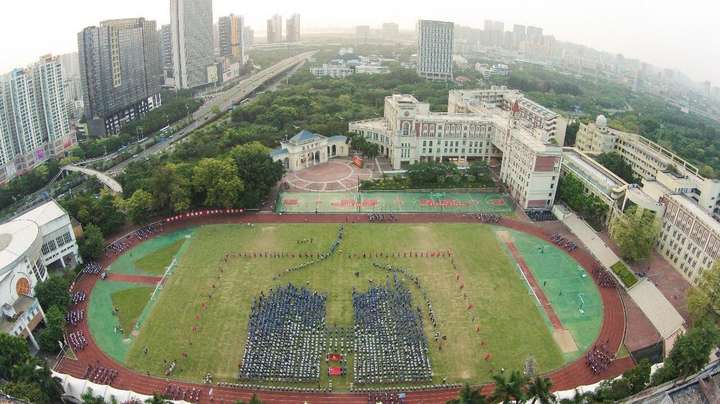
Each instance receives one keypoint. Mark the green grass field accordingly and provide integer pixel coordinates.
(130, 304)
(511, 327)
(156, 262)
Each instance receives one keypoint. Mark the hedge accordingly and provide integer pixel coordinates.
(625, 275)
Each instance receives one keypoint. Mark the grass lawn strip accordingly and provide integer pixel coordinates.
(130, 303)
(155, 263)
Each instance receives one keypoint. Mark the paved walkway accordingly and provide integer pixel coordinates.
(566, 378)
(337, 175)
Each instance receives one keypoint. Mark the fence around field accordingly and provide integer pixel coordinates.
(393, 202)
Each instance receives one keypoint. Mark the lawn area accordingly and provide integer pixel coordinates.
(156, 262)
(204, 308)
(130, 304)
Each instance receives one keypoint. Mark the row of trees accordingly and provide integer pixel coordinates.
(635, 232)
(24, 376)
(617, 164)
(689, 355)
(591, 208)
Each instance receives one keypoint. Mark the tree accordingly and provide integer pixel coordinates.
(170, 189)
(617, 164)
(704, 297)
(53, 332)
(217, 183)
(257, 170)
(139, 206)
(571, 133)
(690, 353)
(25, 391)
(635, 232)
(89, 398)
(54, 292)
(572, 191)
(539, 389)
(156, 399)
(468, 395)
(13, 350)
(92, 245)
(578, 398)
(632, 381)
(510, 389)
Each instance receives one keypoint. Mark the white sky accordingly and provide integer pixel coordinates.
(674, 34)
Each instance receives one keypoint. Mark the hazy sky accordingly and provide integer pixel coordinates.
(675, 34)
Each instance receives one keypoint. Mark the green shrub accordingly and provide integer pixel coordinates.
(625, 275)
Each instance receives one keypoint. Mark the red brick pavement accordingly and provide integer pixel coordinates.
(565, 378)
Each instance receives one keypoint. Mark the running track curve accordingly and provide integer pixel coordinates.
(565, 378)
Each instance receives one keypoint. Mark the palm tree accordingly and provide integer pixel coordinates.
(469, 395)
(511, 389)
(539, 389)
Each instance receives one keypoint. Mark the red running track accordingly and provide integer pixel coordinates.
(148, 280)
(565, 378)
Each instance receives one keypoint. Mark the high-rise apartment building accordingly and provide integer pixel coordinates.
(362, 33)
(390, 30)
(34, 120)
(120, 72)
(293, 28)
(248, 36)
(166, 54)
(73, 84)
(274, 29)
(435, 50)
(230, 30)
(534, 34)
(191, 23)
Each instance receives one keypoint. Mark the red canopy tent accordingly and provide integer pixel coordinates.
(335, 371)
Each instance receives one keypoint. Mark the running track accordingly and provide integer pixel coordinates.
(565, 378)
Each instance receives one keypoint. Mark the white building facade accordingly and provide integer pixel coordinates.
(658, 167)
(435, 49)
(307, 149)
(29, 244)
(478, 126)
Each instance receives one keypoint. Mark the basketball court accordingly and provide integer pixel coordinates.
(393, 202)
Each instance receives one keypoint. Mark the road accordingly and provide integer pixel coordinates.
(224, 101)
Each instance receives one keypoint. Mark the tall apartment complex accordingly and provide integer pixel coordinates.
(292, 26)
(120, 72)
(274, 29)
(486, 125)
(248, 36)
(191, 23)
(390, 30)
(231, 29)
(166, 54)
(435, 50)
(34, 120)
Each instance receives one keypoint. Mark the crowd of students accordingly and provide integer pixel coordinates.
(563, 242)
(489, 218)
(286, 336)
(92, 268)
(77, 340)
(385, 398)
(175, 392)
(390, 344)
(604, 278)
(319, 256)
(100, 375)
(381, 217)
(78, 297)
(599, 358)
(74, 317)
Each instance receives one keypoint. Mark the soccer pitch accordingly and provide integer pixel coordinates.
(480, 299)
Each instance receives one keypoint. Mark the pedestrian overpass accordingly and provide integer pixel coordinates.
(108, 181)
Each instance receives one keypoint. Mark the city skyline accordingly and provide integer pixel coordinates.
(654, 32)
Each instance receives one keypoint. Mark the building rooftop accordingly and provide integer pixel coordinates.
(599, 176)
(21, 305)
(16, 237)
(661, 313)
(44, 213)
(304, 136)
